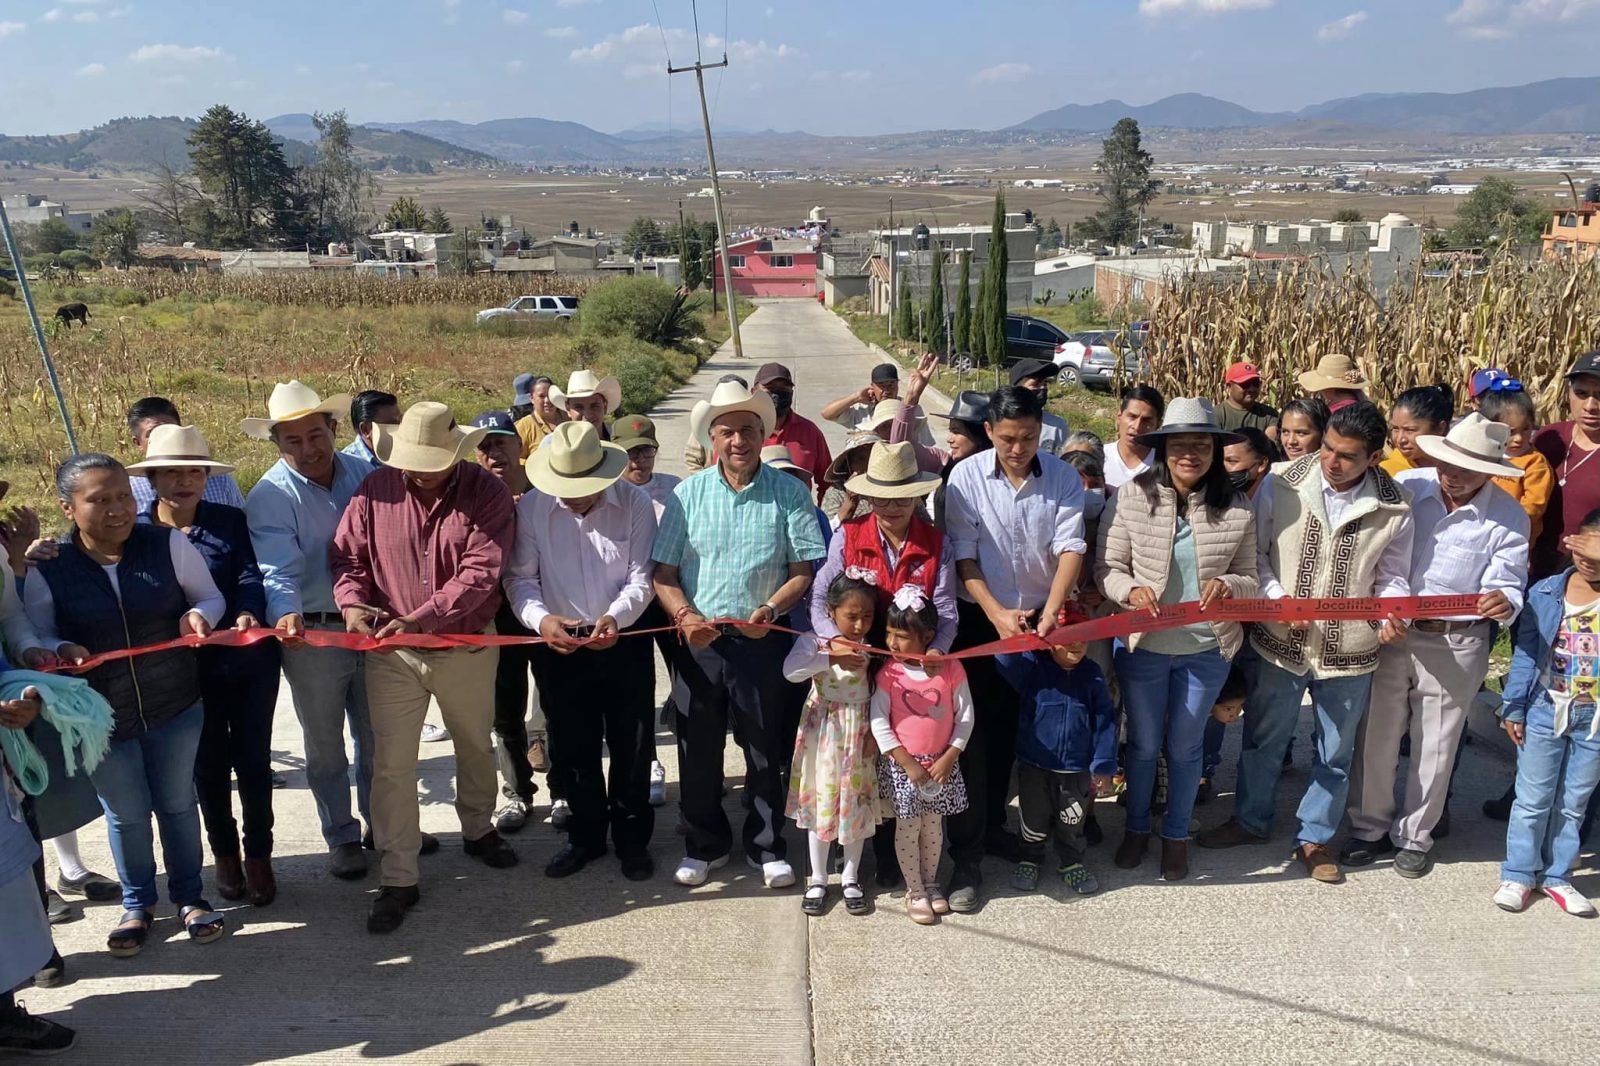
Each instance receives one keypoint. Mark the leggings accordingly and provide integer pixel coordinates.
(918, 842)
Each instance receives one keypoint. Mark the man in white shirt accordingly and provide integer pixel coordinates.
(1471, 540)
(579, 577)
(1139, 413)
(857, 408)
(1330, 526)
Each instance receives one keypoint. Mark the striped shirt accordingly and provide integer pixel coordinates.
(220, 488)
(733, 549)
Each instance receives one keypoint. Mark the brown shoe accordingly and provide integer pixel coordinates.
(261, 882)
(1130, 853)
(538, 756)
(1320, 864)
(230, 877)
(1174, 859)
(1229, 834)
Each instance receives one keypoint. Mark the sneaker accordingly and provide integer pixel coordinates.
(658, 785)
(23, 1034)
(693, 872)
(432, 734)
(1025, 878)
(1570, 900)
(513, 816)
(1079, 878)
(539, 755)
(775, 874)
(560, 814)
(1512, 896)
(56, 909)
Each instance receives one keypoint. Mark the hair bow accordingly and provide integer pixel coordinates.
(910, 598)
(862, 573)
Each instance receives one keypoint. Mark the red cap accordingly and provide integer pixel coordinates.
(1239, 373)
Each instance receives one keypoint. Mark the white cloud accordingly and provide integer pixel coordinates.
(856, 75)
(560, 31)
(1153, 8)
(513, 17)
(86, 16)
(575, 3)
(1495, 19)
(1339, 29)
(640, 46)
(55, 14)
(91, 70)
(1002, 73)
(514, 66)
(176, 53)
(8, 28)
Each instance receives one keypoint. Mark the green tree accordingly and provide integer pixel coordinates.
(463, 255)
(50, 237)
(116, 237)
(1497, 211)
(933, 323)
(240, 165)
(405, 213)
(1347, 214)
(991, 339)
(438, 221)
(644, 236)
(1053, 237)
(904, 318)
(1126, 187)
(963, 310)
(339, 188)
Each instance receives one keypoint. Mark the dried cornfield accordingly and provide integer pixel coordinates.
(344, 289)
(1530, 319)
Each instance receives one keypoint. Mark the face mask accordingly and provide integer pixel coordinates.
(1241, 479)
(1043, 392)
(781, 402)
(1094, 502)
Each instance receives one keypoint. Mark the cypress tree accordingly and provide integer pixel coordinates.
(994, 318)
(904, 322)
(963, 315)
(933, 325)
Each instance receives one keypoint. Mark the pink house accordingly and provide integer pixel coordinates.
(771, 266)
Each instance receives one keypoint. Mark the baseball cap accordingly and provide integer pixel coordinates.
(1493, 379)
(884, 373)
(522, 388)
(635, 431)
(1588, 363)
(1023, 369)
(773, 372)
(496, 422)
(1239, 373)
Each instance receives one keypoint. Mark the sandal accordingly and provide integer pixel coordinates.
(128, 938)
(855, 900)
(201, 922)
(815, 901)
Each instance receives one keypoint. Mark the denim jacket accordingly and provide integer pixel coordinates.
(1533, 639)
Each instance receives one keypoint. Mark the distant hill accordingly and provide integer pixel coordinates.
(1190, 111)
(386, 149)
(522, 140)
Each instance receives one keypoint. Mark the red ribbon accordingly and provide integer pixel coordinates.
(1121, 624)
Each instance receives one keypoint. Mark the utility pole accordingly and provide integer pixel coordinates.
(894, 256)
(38, 330)
(699, 69)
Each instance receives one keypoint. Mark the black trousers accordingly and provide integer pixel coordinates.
(986, 762)
(741, 679)
(511, 709)
(239, 687)
(655, 617)
(1053, 804)
(605, 700)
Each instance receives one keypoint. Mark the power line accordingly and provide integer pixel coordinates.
(694, 8)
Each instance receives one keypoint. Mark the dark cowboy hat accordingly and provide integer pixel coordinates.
(969, 406)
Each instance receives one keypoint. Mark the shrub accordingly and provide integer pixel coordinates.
(647, 309)
(128, 298)
(639, 373)
(77, 259)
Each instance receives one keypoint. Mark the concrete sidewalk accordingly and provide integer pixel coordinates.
(1246, 962)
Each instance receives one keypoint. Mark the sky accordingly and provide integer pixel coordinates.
(825, 66)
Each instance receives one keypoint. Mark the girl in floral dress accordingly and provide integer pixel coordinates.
(833, 786)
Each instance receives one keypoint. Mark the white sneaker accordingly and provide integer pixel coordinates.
(776, 874)
(658, 785)
(1570, 900)
(511, 817)
(432, 734)
(1513, 897)
(560, 813)
(693, 872)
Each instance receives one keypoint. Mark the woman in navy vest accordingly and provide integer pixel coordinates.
(238, 686)
(117, 584)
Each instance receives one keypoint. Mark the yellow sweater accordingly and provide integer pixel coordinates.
(1532, 490)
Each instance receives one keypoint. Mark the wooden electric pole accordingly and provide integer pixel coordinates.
(716, 197)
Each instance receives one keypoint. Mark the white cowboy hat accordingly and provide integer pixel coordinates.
(178, 446)
(1475, 444)
(291, 400)
(779, 457)
(1334, 372)
(1187, 414)
(427, 440)
(892, 474)
(839, 470)
(583, 384)
(574, 462)
(885, 412)
(730, 397)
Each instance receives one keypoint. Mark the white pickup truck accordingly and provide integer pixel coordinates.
(563, 307)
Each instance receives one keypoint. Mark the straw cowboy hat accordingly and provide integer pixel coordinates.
(178, 447)
(1334, 372)
(1189, 415)
(291, 400)
(427, 440)
(583, 384)
(779, 457)
(730, 397)
(1475, 444)
(855, 441)
(892, 474)
(575, 462)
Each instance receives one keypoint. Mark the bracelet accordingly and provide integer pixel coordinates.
(776, 614)
(677, 618)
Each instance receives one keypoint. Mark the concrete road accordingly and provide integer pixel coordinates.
(1246, 962)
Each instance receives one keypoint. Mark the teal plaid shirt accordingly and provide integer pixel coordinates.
(733, 549)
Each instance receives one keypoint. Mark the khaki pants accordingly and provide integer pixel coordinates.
(1424, 685)
(399, 684)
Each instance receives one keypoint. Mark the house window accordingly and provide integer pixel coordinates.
(782, 262)
(735, 262)
(1569, 219)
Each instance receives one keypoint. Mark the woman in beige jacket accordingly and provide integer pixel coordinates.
(1180, 533)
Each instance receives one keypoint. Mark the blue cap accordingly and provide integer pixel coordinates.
(1493, 379)
(496, 422)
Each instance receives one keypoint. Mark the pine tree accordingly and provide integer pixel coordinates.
(994, 276)
(904, 322)
(438, 221)
(405, 214)
(1126, 186)
(963, 312)
(933, 325)
(239, 164)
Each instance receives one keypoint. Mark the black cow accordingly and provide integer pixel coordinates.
(67, 312)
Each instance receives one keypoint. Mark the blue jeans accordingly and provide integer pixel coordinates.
(154, 774)
(1168, 699)
(330, 687)
(1270, 714)
(1556, 776)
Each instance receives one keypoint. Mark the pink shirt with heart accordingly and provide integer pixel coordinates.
(924, 714)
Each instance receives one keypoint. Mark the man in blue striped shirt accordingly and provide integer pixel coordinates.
(144, 416)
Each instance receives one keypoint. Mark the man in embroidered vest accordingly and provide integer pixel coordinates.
(1330, 526)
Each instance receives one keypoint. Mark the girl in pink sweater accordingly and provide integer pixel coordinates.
(921, 719)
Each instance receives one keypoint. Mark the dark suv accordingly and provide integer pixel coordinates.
(1026, 338)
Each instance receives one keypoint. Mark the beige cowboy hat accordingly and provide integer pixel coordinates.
(1334, 372)
(427, 440)
(779, 457)
(291, 400)
(730, 397)
(892, 474)
(573, 461)
(839, 470)
(884, 413)
(583, 384)
(178, 447)
(1475, 444)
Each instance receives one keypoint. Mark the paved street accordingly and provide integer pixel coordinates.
(1248, 961)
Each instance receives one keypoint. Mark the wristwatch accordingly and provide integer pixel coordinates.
(776, 614)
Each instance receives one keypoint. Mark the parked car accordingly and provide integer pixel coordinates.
(1079, 349)
(1026, 338)
(1090, 357)
(560, 307)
